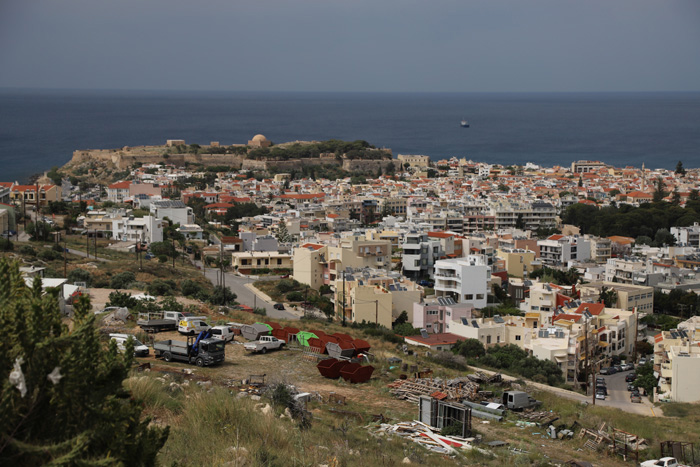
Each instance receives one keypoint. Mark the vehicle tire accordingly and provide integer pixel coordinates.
(264, 350)
(199, 361)
(168, 357)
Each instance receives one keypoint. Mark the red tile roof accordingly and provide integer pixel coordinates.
(593, 308)
(120, 186)
(446, 338)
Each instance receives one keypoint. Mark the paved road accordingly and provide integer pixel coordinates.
(84, 255)
(237, 284)
(619, 397)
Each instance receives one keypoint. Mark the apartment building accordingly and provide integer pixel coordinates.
(518, 262)
(311, 265)
(420, 254)
(118, 192)
(146, 229)
(465, 280)
(246, 262)
(625, 270)
(177, 211)
(601, 249)
(629, 297)
(677, 361)
(560, 250)
(436, 315)
(687, 236)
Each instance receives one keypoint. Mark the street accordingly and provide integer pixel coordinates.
(237, 284)
(619, 397)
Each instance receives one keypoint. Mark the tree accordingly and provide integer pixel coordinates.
(679, 169)
(282, 233)
(222, 296)
(659, 193)
(580, 182)
(56, 177)
(694, 196)
(39, 231)
(470, 348)
(608, 296)
(63, 401)
(122, 280)
(676, 198)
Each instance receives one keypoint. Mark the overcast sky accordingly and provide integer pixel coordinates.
(352, 45)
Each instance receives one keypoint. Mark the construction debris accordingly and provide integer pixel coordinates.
(425, 436)
(452, 390)
(482, 378)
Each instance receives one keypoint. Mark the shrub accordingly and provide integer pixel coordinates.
(27, 250)
(260, 311)
(160, 287)
(122, 280)
(48, 255)
(162, 258)
(170, 303)
(122, 299)
(189, 288)
(470, 348)
(405, 329)
(80, 275)
(295, 296)
(6, 244)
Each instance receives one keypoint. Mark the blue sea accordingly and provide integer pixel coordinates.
(41, 129)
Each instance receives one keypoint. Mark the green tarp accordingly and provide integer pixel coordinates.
(266, 325)
(304, 336)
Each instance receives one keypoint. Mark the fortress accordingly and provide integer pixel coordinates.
(126, 157)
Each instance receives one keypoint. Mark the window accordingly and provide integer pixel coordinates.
(279, 261)
(517, 338)
(498, 339)
(488, 339)
(479, 296)
(469, 296)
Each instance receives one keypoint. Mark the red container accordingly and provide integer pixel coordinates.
(343, 337)
(361, 345)
(317, 345)
(318, 333)
(331, 367)
(356, 373)
(273, 325)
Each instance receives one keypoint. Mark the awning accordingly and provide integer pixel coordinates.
(603, 344)
(532, 315)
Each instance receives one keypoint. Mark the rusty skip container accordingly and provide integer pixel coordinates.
(340, 349)
(317, 345)
(361, 346)
(273, 325)
(356, 373)
(342, 337)
(330, 367)
(252, 332)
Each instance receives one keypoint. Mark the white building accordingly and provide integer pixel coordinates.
(558, 249)
(689, 236)
(146, 229)
(177, 211)
(419, 254)
(465, 280)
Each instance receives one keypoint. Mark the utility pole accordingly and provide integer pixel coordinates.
(95, 243)
(376, 312)
(636, 333)
(174, 251)
(343, 298)
(65, 259)
(588, 360)
(87, 243)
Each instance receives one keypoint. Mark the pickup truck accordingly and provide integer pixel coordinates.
(202, 351)
(264, 344)
(663, 462)
(156, 322)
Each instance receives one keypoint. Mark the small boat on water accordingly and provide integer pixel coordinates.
(464, 124)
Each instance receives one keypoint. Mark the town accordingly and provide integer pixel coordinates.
(575, 282)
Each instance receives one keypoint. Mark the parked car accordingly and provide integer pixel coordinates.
(643, 361)
(636, 398)
(627, 366)
(278, 306)
(605, 371)
(618, 368)
(140, 350)
(601, 389)
(426, 283)
(600, 380)
(631, 387)
(222, 333)
(630, 377)
(600, 395)
(192, 325)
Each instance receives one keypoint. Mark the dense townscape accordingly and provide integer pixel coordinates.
(574, 283)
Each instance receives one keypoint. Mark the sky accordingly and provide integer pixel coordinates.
(352, 45)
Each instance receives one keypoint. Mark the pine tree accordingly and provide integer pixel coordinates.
(282, 233)
(62, 399)
(680, 170)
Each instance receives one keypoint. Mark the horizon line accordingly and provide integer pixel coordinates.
(263, 91)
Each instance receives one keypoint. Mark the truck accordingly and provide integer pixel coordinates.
(264, 344)
(519, 400)
(192, 325)
(162, 321)
(663, 462)
(140, 350)
(202, 350)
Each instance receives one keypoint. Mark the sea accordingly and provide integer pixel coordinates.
(40, 129)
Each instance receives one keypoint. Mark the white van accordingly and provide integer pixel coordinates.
(193, 325)
(140, 350)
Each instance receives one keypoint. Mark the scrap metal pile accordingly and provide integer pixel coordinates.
(424, 435)
(456, 389)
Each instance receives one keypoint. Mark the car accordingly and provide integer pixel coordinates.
(286, 276)
(425, 283)
(222, 333)
(643, 361)
(631, 387)
(605, 371)
(630, 377)
(600, 381)
(600, 395)
(601, 389)
(636, 398)
(618, 368)
(627, 366)
(278, 306)
(140, 350)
